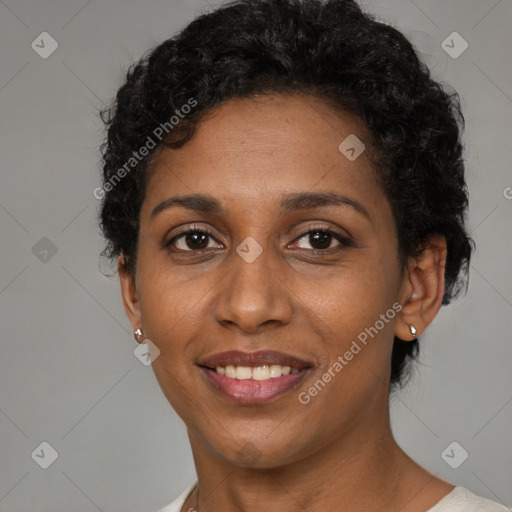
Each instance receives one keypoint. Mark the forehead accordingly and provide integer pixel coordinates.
(251, 151)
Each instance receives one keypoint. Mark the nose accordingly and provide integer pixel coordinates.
(253, 295)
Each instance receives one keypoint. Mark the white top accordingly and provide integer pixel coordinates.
(459, 500)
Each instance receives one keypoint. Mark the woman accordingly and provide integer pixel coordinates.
(284, 191)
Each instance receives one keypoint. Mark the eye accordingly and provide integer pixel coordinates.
(321, 239)
(192, 240)
(195, 239)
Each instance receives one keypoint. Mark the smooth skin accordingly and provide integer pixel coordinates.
(305, 296)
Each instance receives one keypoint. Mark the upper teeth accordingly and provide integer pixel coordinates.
(264, 372)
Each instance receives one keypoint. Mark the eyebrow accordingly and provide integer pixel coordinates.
(290, 203)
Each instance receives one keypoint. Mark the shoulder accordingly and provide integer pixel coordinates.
(459, 500)
(176, 505)
(463, 500)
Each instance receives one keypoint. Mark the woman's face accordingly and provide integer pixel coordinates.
(264, 279)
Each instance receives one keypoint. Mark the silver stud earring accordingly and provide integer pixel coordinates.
(413, 330)
(138, 335)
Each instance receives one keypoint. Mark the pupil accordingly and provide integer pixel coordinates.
(321, 238)
(200, 240)
(193, 238)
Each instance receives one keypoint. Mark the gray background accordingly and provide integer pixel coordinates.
(68, 374)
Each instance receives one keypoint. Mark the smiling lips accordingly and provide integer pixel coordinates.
(254, 377)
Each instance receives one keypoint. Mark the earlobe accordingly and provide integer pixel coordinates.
(422, 289)
(129, 294)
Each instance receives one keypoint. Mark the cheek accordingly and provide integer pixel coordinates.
(353, 297)
(171, 303)
(357, 344)
(340, 302)
(172, 312)
(354, 312)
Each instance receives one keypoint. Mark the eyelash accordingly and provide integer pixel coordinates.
(344, 241)
(193, 229)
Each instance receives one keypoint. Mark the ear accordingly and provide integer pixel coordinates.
(422, 290)
(129, 294)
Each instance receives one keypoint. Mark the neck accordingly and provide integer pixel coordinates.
(360, 471)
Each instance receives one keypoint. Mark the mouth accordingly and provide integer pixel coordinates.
(254, 377)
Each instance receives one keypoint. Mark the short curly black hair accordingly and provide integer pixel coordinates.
(329, 49)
